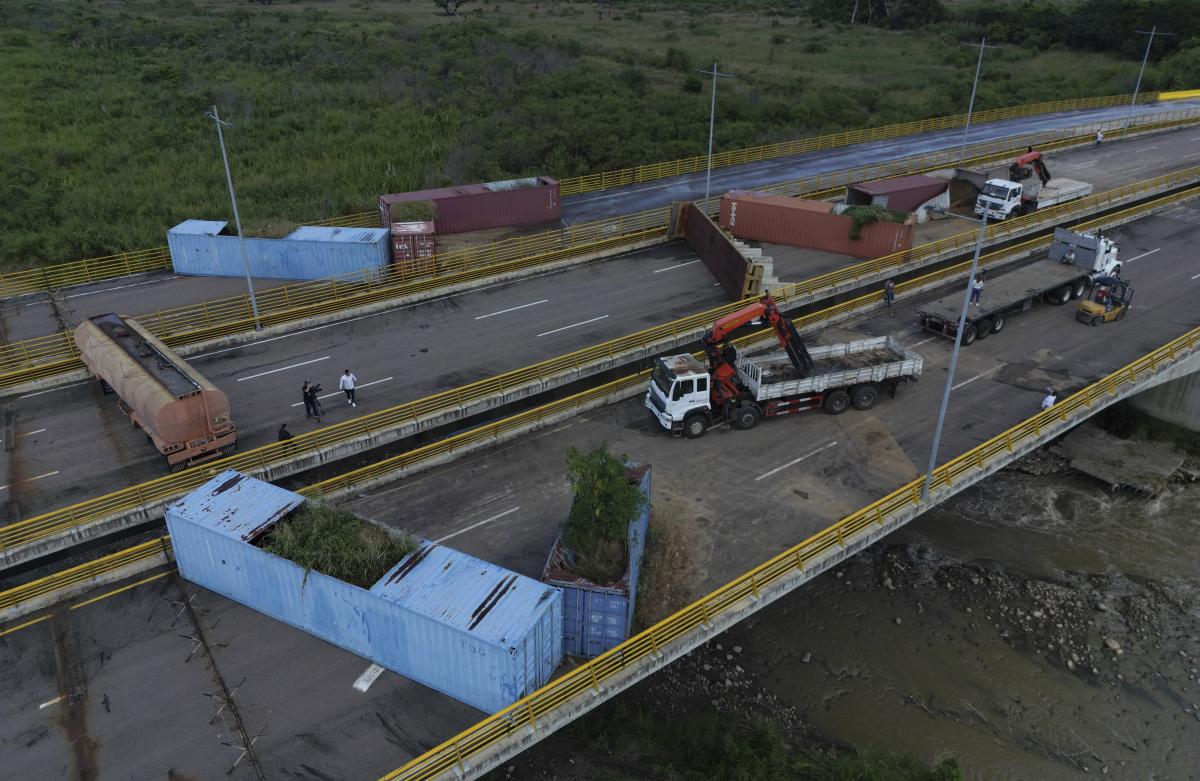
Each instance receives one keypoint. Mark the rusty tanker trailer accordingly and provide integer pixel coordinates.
(184, 415)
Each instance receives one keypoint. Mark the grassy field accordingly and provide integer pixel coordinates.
(105, 145)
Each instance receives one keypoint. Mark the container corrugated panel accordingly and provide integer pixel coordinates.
(442, 628)
(307, 253)
(903, 194)
(599, 617)
(794, 222)
(482, 206)
(414, 247)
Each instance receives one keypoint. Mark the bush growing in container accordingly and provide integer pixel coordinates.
(605, 503)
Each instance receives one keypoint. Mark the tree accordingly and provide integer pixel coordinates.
(451, 7)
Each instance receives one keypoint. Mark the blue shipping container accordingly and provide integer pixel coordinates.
(599, 617)
(306, 253)
(460, 625)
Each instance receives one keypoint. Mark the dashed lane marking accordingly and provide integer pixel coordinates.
(512, 309)
(495, 517)
(369, 676)
(572, 325)
(795, 461)
(283, 369)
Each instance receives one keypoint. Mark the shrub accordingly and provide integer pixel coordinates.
(598, 524)
(862, 216)
(413, 211)
(337, 543)
(692, 84)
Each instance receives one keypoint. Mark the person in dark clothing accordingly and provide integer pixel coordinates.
(889, 293)
(312, 405)
(284, 434)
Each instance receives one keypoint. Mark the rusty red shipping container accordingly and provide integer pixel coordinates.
(414, 248)
(473, 207)
(778, 219)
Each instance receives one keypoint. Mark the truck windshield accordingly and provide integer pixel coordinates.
(662, 378)
(1000, 192)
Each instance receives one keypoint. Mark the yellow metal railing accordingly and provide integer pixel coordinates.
(158, 258)
(260, 459)
(659, 639)
(46, 356)
(81, 573)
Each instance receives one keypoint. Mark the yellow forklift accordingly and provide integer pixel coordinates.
(1109, 300)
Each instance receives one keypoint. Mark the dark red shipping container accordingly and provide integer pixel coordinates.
(475, 207)
(903, 194)
(778, 219)
(414, 247)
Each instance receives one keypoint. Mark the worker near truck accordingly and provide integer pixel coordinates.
(976, 290)
(347, 383)
(312, 405)
(889, 293)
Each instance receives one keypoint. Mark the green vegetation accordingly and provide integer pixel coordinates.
(337, 543)
(105, 144)
(606, 500)
(862, 216)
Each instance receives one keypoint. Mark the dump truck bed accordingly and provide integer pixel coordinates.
(1058, 190)
(880, 358)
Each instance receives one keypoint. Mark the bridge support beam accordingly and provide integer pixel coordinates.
(1176, 402)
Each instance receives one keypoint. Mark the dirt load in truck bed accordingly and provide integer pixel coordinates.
(784, 372)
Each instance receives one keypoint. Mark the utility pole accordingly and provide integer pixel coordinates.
(971, 106)
(216, 118)
(712, 118)
(1153, 31)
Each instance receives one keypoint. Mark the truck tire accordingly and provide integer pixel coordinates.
(1059, 295)
(695, 425)
(746, 417)
(997, 323)
(864, 396)
(983, 329)
(1096, 321)
(836, 402)
(1077, 289)
(968, 335)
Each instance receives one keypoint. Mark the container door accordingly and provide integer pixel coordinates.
(574, 623)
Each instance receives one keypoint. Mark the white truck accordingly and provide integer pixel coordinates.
(682, 394)
(1000, 199)
(1064, 273)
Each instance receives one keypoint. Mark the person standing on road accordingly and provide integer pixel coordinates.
(1051, 397)
(311, 408)
(284, 434)
(977, 290)
(1099, 137)
(348, 384)
(889, 293)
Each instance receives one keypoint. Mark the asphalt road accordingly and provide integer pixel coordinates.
(73, 443)
(32, 316)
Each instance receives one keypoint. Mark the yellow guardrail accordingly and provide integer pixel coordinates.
(158, 258)
(644, 173)
(81, 573)
(1179, 94)
(52, 354)
(262, 458)
(589, 677)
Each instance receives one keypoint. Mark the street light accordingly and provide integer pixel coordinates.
(216, 118)
(712, 116)
(962, 320)
(1153, 32)
(971, 106)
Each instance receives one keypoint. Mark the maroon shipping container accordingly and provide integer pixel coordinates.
(475, 207)
(902, 194)
(796, 222)
(414, 248)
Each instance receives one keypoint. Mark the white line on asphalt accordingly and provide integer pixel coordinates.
(339, 393)
(976, 377)
(573, 325)
(368, 677)
(677, 265)
(29, 480)
(1196, 277)
(795, 461)
(512, 309)
(283, 368)
(51, 390)
(1145, 149)
(48, 703)
(1144, 254)
(495, 517)
(121, 287)
(31, 433)
(924, 341)
(1193, 154)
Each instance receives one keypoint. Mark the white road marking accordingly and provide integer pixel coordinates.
(1145, 149)
(48, 703)
(1196, 277)
(795, 461)
(339, 392)
(283, 368)
(976, 377)
(512, 309)
(122, 287)
(1144, 254)
(495, 517)
(1193, 154)
(677, 265)
(923, 341)
(369, 676)
(52, 390)
(29, 480)
(30, 433)
(573, 325)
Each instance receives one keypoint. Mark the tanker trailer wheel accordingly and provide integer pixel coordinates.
(746, 417)
(864, 396)
(836, 402)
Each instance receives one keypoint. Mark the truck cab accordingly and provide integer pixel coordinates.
(679, 391)
(999, 199)
(1092, 253)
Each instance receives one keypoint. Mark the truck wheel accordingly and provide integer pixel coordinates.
(836, 402)
(746, 417)
(983, 328)
(1078, 289)
(968, 335)
(695, 425)
(1059, 295)
(1097, 320)
(997, 324)
(864, 396)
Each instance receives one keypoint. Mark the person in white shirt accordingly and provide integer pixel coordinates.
(347, 383)
(977, 289)
(1051, 397)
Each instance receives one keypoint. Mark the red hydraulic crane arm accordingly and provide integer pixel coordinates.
(763, 309)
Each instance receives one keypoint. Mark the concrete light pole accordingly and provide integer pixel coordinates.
(1152, 32)
(971, 106)
(962, 319)
(216, 118)
(712, 117)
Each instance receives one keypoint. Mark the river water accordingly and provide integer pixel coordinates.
(1033, 627)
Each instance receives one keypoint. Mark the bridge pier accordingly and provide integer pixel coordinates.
(1176, 402)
